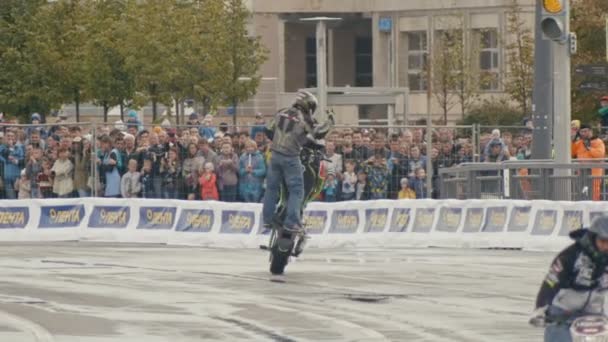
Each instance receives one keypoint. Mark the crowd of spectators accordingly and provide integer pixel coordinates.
(201, 161)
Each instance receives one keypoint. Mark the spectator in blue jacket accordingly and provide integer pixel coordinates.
(12, 156)
(252, 170)
(259, 125)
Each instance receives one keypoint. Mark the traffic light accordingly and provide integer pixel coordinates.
(554, 22)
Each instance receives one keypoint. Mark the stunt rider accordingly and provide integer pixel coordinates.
(291, 129)
(576, 283)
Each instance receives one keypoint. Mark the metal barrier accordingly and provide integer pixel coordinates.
(526, 180)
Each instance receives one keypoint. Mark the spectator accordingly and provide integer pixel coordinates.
(205, 150)
(63, 171)
(252, 170)
(330, 188)
(32, 169)
(170, 170)
(190, 172)
(258, 126)
(415, 161)
(23, 186)
(12, 156)
(590, 147)
(206, 131)
(45, 180)
(362, 150)
(419, 183)
(362, 189)
(109, 167)
(227, 170)
(406, 192)
(496, 152)
(377, 172)
(81, 157)
(146, 180)
(349, 181)
(334, 162)
(130, 185)
(603, 111)
(208, 184)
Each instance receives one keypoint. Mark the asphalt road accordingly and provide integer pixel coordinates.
(89, 292)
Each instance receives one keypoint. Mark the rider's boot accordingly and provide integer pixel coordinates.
(302, 240)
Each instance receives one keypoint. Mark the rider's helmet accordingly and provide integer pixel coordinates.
(306, 102)
(599, 227)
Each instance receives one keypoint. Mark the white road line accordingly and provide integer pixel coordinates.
(22, 324)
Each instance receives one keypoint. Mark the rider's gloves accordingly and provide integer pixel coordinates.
(539, 317)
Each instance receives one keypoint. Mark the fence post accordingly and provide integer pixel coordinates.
(475, 141)
(94, 176)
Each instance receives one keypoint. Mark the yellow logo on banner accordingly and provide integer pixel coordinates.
(424, 218)
(314, 221)
(573, 222)
(498, 219)
(402, 219)
(240, 222)
(475, 219)
(452, 219)
(521, 218)
(198, 220)
(64, 216)
(547, 220)
(347, 220)
(159, 217)
(113, 217)
(12, 218)
(377, 220)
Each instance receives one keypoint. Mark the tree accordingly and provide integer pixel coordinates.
(24, 84)
(244, 55)
(60, 31)
(444, 61)
(467, 78)
(588, 21)
(109, 82)
(494, 112)
(519, 44)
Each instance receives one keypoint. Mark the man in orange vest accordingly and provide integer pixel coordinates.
(590, 147)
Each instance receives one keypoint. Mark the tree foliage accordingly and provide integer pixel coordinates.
(114, 51)
(494, 112)
(588, 21)
(519, 45)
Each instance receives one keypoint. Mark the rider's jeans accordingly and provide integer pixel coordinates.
(558, 332)
(286, 169)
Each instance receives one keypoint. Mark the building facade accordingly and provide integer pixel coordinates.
(380, 43)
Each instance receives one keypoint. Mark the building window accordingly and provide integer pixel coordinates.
(363, 62)
(489, 59)
(311, 62)
(417, 53)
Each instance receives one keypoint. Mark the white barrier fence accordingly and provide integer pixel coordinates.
(530, 225)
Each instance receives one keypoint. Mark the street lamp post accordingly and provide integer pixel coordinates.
(321, 37)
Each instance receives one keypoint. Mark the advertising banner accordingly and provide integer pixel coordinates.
(160, 218)
(571, 220)
(375, 220)
(344, 222)
(400, 220)
(545, 222)
(195, 220)
(496, 218)
(423, 221)
(110, 217)
(314, 221)
(237, 221)
(473, 220)
(61, 216)
(14, 217)
(519, 219)
(449, 220)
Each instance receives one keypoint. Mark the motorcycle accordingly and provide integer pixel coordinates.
(283, 243)
(592, 328)
(588, 328)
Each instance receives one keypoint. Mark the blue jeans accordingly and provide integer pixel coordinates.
(228, 193)
(288, 170)
(558, 332)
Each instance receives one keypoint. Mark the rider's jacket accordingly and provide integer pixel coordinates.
(290, 128)
(577, 278)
